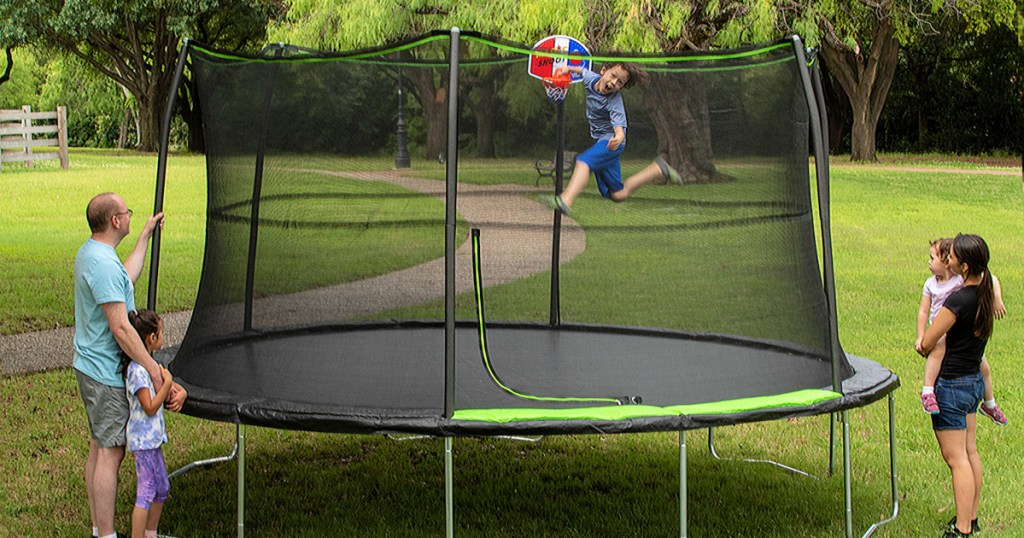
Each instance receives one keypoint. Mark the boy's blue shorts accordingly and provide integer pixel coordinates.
(604, 163)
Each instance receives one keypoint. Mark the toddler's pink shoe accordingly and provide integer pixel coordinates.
(995, 414)
(930, 404)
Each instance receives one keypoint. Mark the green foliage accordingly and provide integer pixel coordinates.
(27, 77)
(659, 25)
(95, 105)
(956, 95)
(852, 22)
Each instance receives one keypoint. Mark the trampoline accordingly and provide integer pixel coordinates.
(340, 295)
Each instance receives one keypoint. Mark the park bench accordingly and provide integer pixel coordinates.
(546, 168)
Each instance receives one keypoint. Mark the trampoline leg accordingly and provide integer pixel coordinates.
(847, 479)
(714, 454)
(682, 484)
(892, 469)
(241, 481)
(200, 463)
(449, 490)
(831, 443)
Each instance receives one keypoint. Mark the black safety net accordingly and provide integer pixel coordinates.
(332, 260)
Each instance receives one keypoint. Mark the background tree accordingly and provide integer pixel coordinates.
(9, 66)
(367, 23)
(236, 26)
(133, 42)
(956, 95)
(655, 26)
(26, 80)
(860, 43)
(14, 32)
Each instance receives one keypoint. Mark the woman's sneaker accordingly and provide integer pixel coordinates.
(930, 404)
(995, 414)
(951, 526)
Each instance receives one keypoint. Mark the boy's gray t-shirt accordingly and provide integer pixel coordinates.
(604, 112)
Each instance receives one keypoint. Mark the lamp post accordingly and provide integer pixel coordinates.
(402, 151)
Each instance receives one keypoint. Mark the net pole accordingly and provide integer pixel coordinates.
(555, 318)
(161, 172)
(451, 212)
(815, 104)
(257, 191)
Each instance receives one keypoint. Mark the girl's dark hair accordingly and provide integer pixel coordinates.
(146, 322)
(973, 251)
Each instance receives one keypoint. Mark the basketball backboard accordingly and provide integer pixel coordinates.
(542, 66)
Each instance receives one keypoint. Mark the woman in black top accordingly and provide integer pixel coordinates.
(966, 319)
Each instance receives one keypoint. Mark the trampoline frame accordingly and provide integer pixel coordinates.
(812, 86)
(238, 453)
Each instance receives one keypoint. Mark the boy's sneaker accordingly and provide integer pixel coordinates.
(930, 404)
(556, 203)
(671, 174)
(956, 534)
(994, 413)
(974, 525)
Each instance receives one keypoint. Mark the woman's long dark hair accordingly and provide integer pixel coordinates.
(973, 251)
(146, 322)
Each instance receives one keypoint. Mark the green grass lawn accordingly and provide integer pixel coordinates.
(311, 484)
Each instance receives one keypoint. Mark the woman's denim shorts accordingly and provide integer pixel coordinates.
(957, 397)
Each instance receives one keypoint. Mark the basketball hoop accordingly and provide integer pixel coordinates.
(553, 53)
(557, 87)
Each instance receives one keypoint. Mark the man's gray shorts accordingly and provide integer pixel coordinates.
(107, 409)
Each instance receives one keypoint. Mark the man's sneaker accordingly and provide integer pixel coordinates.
(671, 174)
(995, 414)
(930, 404)
(956, 534)
(556, 203)
(974, 525)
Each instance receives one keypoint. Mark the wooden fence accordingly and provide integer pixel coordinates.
(19, 131)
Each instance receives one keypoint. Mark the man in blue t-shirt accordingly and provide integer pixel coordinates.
(104, 294)
(607, 118)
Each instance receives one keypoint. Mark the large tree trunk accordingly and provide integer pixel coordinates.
(866, 79)
(190, 111)
(679, 110)
(837, 109)
(149, 123)
(434, 103)
(484, 89)
(485, 109)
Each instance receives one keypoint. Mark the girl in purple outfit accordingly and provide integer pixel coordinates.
(146, 431)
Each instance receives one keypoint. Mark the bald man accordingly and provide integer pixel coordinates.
(104, 294)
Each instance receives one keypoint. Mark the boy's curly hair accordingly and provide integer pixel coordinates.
(637, 75)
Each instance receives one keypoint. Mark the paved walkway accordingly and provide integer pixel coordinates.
(512, 252)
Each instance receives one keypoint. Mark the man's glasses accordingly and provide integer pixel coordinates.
(128, 212)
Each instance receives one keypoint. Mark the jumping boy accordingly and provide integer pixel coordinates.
(607, 118)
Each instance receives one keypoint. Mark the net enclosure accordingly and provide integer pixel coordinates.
(378, 256)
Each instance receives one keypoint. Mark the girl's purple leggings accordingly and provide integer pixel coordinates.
(151, 472)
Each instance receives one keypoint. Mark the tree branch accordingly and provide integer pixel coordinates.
(10, 65)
